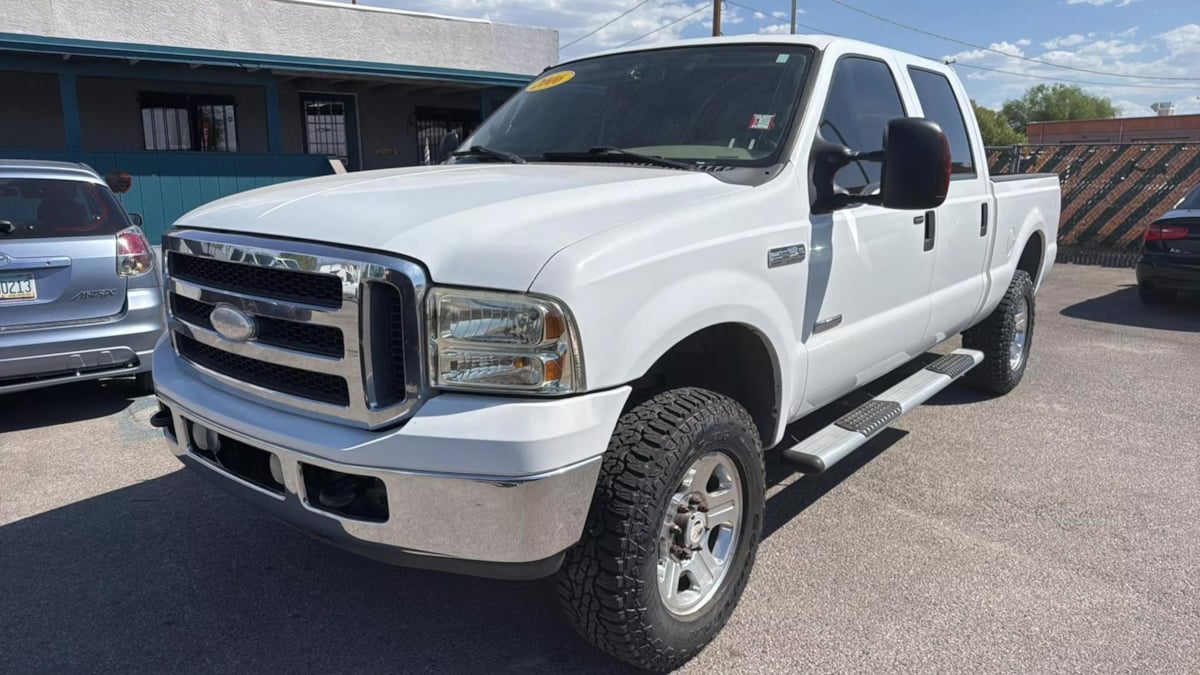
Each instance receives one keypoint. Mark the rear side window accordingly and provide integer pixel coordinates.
(1191, 201)
(39, 208)
(863, 98)
(941, 106)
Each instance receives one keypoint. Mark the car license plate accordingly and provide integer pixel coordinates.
(18, 287)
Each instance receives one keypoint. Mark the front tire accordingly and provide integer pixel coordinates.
(672, 532)
(1005, 337)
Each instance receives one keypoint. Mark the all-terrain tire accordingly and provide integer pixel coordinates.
(608, 584)
(995, 336)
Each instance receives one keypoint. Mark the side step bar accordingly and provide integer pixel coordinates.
(830, 445)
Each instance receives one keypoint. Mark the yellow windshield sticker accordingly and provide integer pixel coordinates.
(551, 81)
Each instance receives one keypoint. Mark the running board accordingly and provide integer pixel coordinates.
(830, 445)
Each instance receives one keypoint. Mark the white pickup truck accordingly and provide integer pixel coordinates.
(565, 351)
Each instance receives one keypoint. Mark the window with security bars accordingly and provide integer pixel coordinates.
(325, 129)
(434, 123)
(187, 122)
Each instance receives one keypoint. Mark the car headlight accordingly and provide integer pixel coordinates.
(484, 340)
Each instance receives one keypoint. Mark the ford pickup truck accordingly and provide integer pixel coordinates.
(564, 351)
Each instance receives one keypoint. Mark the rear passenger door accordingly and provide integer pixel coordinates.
(962, 226)
(867, 302)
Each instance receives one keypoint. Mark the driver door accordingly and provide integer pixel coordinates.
(868, 291)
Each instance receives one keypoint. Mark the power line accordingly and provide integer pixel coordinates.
(664, 27)
(947, 38)
(1059, 79)
(620, 16)
(804, 26)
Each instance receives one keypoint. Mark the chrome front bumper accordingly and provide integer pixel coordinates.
(498, 506)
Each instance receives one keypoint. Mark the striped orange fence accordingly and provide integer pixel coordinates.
(1110, 192)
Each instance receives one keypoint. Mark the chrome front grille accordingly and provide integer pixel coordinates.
(338, 332)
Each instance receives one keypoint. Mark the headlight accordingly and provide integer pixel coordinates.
(482, 340)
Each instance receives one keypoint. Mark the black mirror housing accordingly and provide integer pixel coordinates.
(916, 165)
(915, 173)
(449, 144)
(136, 219)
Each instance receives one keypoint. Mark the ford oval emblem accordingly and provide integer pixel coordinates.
(232, 323)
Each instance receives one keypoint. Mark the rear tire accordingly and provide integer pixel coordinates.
(675, 467)
(1153, 296)
(1005, 337)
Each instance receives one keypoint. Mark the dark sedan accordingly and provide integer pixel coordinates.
(1170, 261)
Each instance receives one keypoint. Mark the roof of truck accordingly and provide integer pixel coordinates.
(41, 168)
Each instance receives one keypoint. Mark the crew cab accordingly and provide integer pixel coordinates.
(564, 351)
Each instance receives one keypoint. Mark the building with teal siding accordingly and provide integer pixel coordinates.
(198, 100)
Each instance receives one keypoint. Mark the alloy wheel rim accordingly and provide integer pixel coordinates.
(699, 534)
(1016, 350)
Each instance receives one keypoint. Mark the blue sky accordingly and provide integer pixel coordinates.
(1142, 39)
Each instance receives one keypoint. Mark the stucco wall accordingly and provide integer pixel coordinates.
(112, 116)
(303, 28)
(37, 122)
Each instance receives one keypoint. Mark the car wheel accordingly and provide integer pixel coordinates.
(672, 532)
(1005, 337)
(1153, 296)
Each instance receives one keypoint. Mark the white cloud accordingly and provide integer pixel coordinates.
(1182, 40)
(776, 29)
(1174, 53)
(1099, 3)
(1024, 42)
(1065, 41)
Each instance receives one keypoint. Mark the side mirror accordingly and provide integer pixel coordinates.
(916, 165)
(137, 219)
(449, 144)
(915, 173)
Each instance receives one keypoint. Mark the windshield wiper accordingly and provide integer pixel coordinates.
(484, 151)
(608, 151)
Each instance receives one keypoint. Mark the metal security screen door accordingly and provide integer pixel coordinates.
(330, 126)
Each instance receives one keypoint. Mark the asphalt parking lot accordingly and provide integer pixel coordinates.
(1056, 529)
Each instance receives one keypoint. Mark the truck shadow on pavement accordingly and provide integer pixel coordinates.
(66, 403)
(172, 574)
(1123, 307)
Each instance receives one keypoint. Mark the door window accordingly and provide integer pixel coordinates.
(863, 98)
(941, 106)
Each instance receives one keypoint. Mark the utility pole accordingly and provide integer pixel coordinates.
(716, 18)
(793, 17)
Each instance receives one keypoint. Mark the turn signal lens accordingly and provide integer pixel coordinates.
(134, 255)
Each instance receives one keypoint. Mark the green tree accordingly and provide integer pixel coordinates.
(995, 129)
(1054, 102)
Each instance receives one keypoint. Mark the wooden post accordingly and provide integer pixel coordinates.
(716, 18)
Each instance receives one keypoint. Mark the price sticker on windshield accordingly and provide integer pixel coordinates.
(762, 122)
(552, 80)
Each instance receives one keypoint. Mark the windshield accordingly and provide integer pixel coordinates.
(37, 208)
(1191, 201)
(723, 105)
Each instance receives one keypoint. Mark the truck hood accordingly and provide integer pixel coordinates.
(488, 225)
